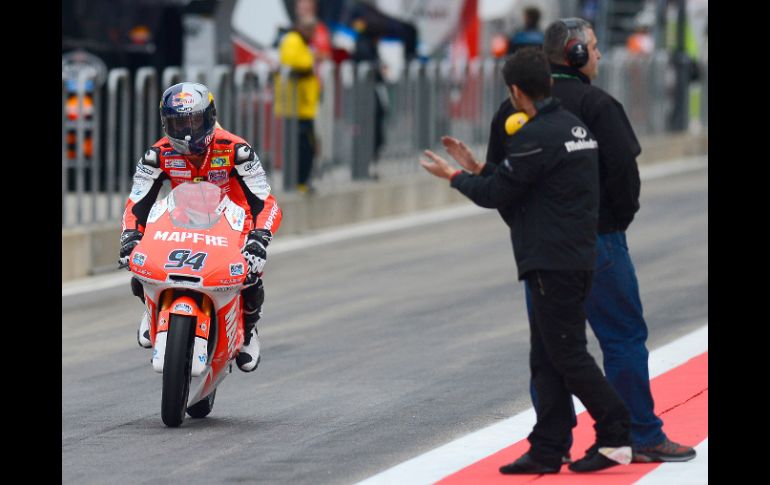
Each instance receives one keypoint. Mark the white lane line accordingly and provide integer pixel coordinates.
(679, 351)
(377, 227)
(672, 167)
(94, 283)
(663, 169)
(462, 452)
(693, 472)
(295, 243)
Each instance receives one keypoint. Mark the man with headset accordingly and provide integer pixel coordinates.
(613, 307)
(547, 192)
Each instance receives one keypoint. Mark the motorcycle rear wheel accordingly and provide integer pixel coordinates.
(202, 408)
(176, 369)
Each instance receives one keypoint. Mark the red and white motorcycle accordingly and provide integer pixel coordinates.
(192, 270)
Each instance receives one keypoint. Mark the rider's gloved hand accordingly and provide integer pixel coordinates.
(255, 252)
(128, 239)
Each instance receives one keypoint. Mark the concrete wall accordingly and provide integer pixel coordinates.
(93, 249)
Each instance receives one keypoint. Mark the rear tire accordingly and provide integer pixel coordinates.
(202, 408)
(176, 370)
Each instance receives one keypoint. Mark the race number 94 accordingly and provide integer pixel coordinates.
(184, 257)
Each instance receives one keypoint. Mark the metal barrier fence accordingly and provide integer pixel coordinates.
(427, 101)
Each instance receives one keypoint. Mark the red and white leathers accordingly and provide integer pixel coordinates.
(229, 163)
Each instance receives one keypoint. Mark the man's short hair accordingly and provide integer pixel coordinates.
(531, 17)
(528, 69)
(559, 33)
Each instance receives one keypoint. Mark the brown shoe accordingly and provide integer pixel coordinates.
(666, 450)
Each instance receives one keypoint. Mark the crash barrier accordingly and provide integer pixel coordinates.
(365, 127)
(645, 85)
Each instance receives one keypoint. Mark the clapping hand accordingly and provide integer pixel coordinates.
(462, 154)
(437, 166)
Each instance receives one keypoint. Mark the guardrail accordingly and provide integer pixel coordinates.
(366, 127)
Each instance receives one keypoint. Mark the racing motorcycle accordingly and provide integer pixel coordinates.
(190, 265)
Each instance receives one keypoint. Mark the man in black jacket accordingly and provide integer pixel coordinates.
(613, 307)
(547, 192)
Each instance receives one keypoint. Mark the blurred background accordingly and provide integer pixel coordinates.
(394, 75)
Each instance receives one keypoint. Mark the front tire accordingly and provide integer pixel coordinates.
(176, 370)
(202, 408)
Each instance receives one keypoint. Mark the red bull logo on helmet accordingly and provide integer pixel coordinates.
(182, 99)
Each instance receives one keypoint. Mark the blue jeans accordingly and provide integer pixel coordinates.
(614, 311)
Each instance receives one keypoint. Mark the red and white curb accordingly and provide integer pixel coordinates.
(679, 381)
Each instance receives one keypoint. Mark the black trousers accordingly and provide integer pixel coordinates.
(307, 150)
(561, 366)
(299, 135)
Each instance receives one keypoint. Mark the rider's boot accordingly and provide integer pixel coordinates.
(143, 334)
(248, 358)
(253, 297)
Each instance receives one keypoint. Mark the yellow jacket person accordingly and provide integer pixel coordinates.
(297, 96)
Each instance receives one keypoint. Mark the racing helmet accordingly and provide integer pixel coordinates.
(188, 117)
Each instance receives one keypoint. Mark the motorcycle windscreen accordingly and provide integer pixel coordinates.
(194, 205)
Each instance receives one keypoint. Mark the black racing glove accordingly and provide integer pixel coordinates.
(255, 252)
(128, 239)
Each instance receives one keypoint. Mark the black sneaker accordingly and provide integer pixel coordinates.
(526, 465)
(594, 460)
(667, 450)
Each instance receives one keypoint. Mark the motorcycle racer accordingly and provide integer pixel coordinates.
(195, 148)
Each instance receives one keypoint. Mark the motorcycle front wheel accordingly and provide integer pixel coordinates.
(176, 369)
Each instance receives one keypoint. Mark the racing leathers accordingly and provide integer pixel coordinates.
(230, 163)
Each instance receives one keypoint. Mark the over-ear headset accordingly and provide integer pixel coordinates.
(576, 52)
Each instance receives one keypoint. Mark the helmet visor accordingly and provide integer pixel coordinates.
(193, 125)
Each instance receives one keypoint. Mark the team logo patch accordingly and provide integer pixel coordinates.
(141, 168)
(181, 173)
(579, 132)
(590, 144)
(220, 162)
(138, 259)
(182, 99)
(235, 216)
(217, 176)
(183, 307)
(199, 179)
(236, 269)
(175, 163)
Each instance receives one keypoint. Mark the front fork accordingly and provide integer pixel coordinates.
(171, 304)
